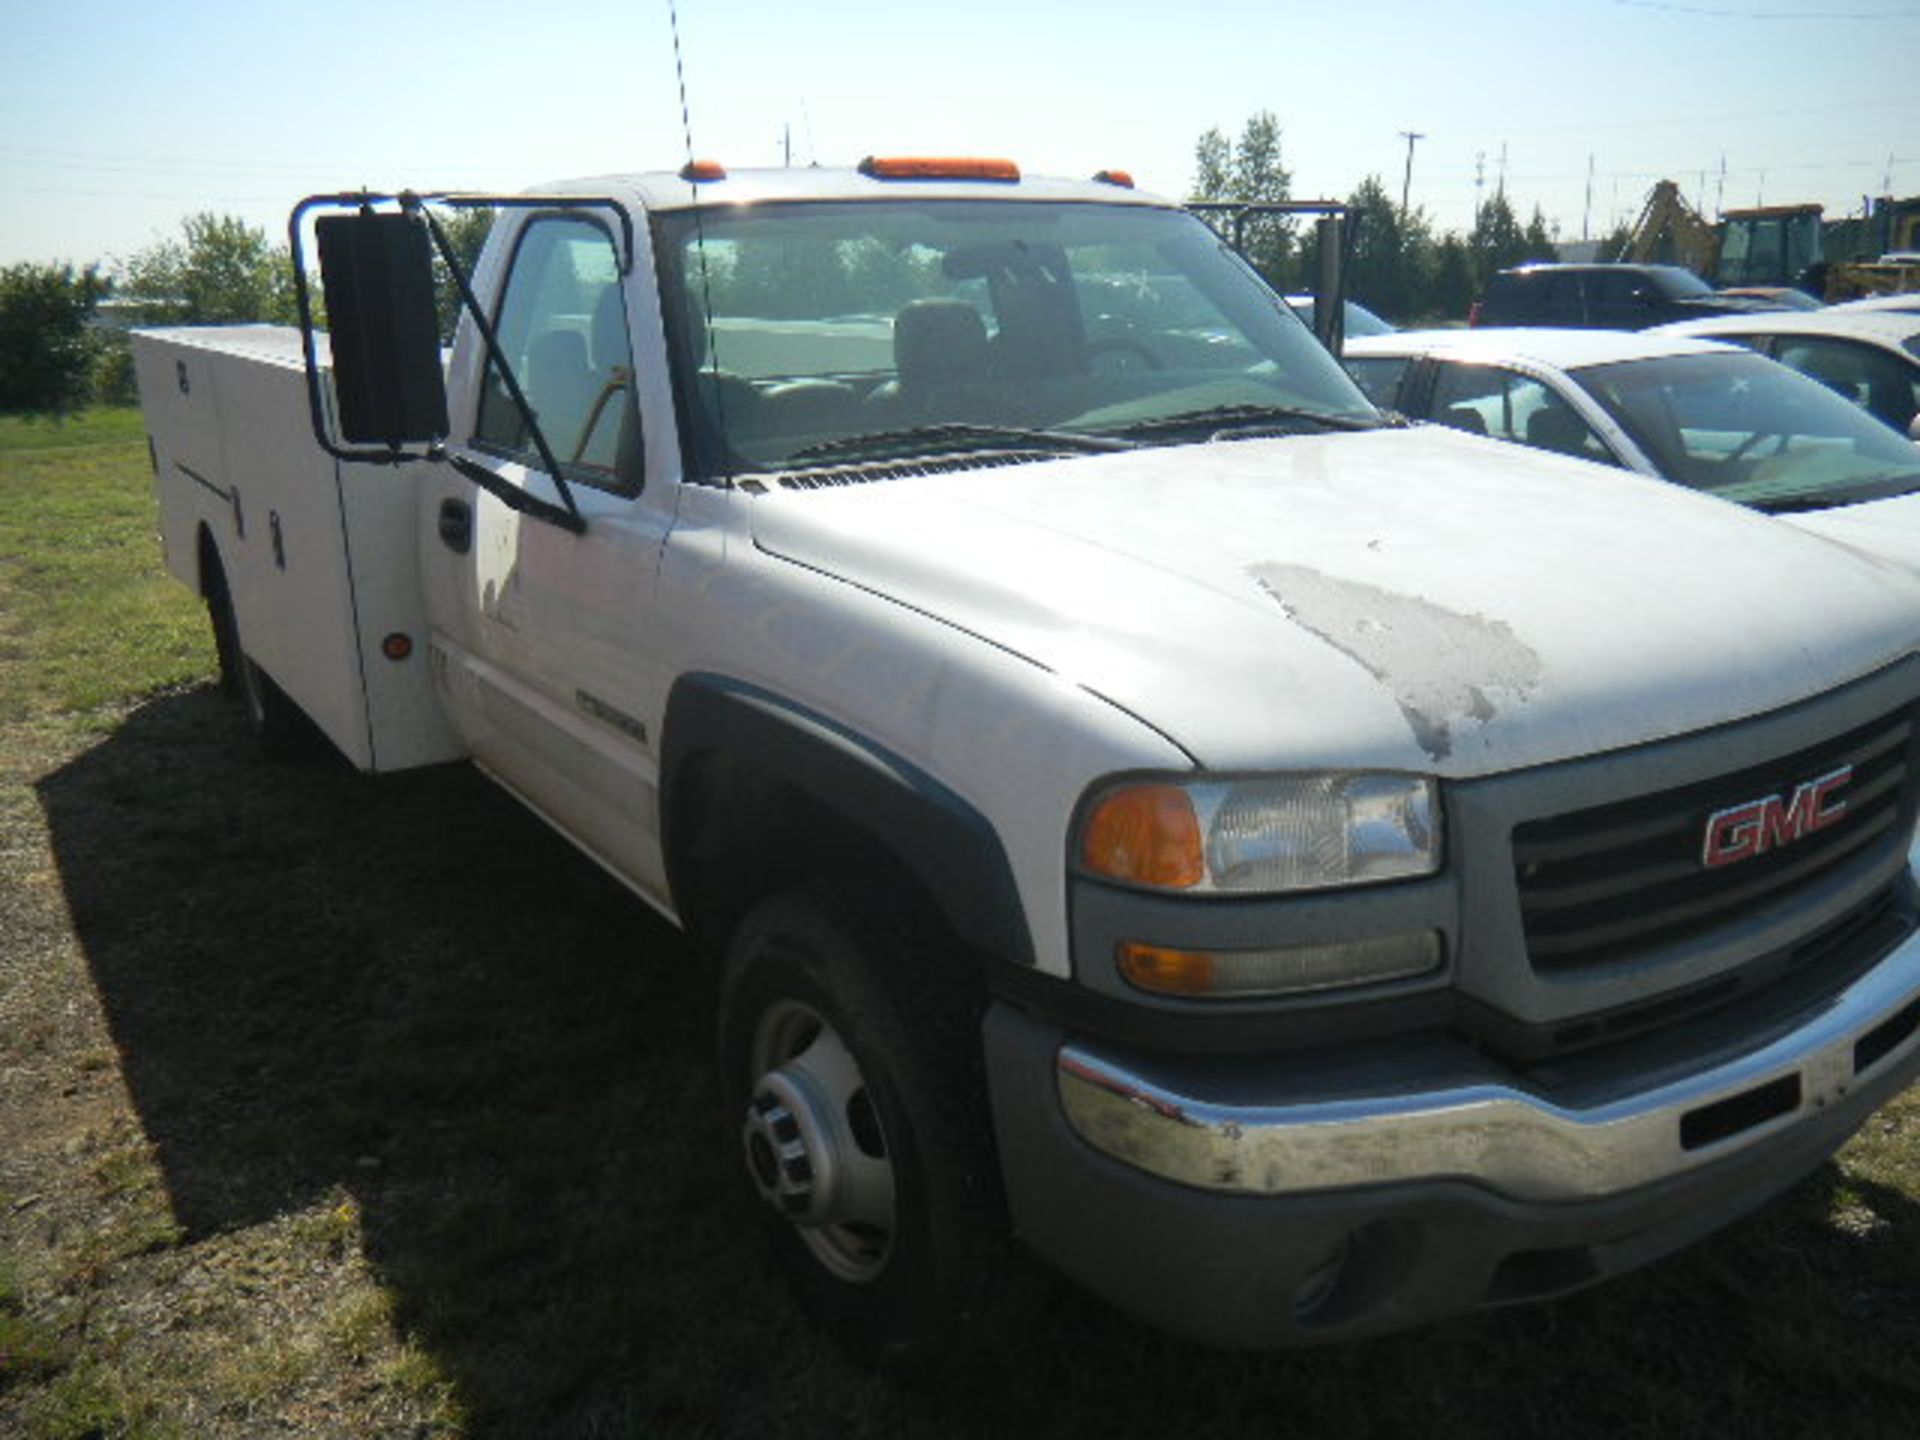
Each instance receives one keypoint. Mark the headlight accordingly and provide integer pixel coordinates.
(1263, 835)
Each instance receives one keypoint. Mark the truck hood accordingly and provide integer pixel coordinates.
(1408, 599)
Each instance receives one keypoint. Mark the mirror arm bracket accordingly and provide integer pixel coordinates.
(411, 204)
(511, 496)
(567, 514)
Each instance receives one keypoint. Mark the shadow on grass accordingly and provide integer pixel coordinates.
(410, 990)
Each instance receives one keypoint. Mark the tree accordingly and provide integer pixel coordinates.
(1454, 286)
(467, 230)
(1251, 172)
(1614, 246)
(1496, 240)
(1391, 253)
(1212, 166)
(46, 354)
(220, 270)
(1258, 174)
(1539, 239)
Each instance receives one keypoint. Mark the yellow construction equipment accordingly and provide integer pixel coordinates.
(1782, 245)
(1671, 232)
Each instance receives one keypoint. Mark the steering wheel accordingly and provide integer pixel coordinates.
(1739, 452)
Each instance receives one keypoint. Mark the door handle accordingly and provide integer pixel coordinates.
(456, 526)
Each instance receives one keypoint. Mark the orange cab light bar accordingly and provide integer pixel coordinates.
(932, 167)
(1122, 178)
(699, 171)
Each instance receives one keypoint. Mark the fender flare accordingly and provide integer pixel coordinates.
(947, 844)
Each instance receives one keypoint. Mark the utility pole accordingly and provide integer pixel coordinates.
(1586, 215)
(1500, 189)
(1406, 180)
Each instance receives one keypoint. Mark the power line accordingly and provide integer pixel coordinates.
(1720, 14)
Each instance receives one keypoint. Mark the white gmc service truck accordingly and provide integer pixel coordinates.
(1302, 875)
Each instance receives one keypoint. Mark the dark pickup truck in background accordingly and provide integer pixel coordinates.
(1604, 297)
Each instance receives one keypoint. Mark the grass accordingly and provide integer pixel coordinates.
(338, 1107)
(89, 619)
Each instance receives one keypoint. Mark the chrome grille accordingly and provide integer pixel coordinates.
(1614, 882)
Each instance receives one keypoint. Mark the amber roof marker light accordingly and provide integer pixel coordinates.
(939, 167)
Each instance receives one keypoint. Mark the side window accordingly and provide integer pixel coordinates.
(1617, 297)
(1875, 382)
(1562, 301)
(1378, 377)
(563, 327)
(1487, 400)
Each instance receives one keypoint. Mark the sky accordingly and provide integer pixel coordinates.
(118, 119)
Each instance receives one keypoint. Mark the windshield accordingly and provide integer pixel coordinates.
(838, 332)
(1744, 428)
(1676, 283)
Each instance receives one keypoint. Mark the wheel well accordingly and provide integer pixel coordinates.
(213, 573)
(738, 833)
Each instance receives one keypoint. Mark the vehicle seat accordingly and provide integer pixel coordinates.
(808, 407)
(937, 344)
(723, 403)
(1560, 430)
(1465, 418)
(1838, 372)
(560, 387)
(609, 438)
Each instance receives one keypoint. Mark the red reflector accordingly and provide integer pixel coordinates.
(396, 646)
(701, 170)
(935, 167)
(1122, 178)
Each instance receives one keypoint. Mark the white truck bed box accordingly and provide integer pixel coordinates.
(321, 556)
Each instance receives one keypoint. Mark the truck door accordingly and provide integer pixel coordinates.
(541, 643)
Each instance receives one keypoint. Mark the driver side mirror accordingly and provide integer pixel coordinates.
(377, 273)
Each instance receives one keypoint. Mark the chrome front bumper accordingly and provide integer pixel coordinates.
(1461, 1117)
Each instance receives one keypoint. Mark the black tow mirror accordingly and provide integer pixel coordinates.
(376, 270)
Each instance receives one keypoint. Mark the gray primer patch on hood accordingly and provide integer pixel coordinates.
(1442, 666)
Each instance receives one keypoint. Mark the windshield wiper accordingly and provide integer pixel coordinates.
(957, 435)
(1242, 421)
(1835, 499)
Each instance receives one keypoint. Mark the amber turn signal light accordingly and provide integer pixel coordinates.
(938, 167)
(1145, 834)
(1164, 971)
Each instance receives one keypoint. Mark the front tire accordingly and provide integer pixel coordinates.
(864, 1144)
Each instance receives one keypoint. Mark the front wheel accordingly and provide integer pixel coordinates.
(862, 1141)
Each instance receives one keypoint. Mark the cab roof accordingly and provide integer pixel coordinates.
(1560, 349)
(667, 190)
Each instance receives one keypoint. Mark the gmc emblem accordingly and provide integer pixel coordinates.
(1741, 832)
